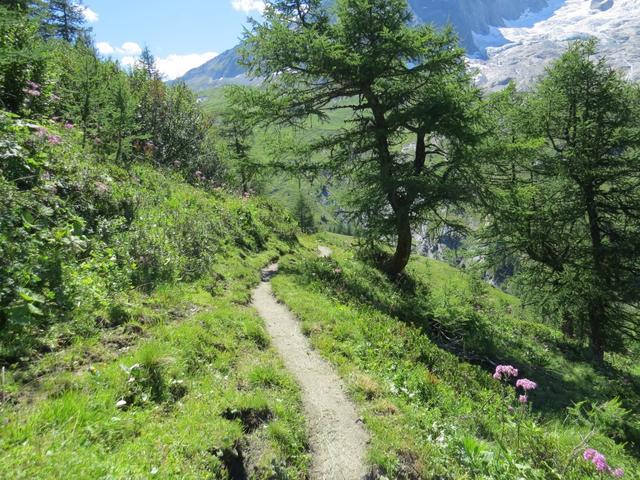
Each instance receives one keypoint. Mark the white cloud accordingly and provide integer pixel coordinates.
(174, 66)
(127, 49)
(89, 15)
(105, 48)
(248, 5)
(130, 48)
(128, 61)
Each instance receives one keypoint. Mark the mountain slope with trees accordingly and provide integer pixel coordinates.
(134, 224)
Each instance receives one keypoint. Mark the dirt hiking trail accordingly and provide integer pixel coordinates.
(336, 434)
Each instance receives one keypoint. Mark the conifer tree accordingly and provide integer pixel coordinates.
(396, 81)
(236, 129)
(63, 19)
(565, 165)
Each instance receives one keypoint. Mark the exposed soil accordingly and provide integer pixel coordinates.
(337, 437)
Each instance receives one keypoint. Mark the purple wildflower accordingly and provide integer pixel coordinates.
(54, 139)
(526, 384)
(68, 125)
(523, 399)
(505, 371)
(600, 462)
(32, 89)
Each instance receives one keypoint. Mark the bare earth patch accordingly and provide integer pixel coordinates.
(336, 434)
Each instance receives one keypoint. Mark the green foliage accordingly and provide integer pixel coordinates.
(21, 58)
(564, 195)
(75, 230)
(304, 215)
(395, 81)
(419, 353)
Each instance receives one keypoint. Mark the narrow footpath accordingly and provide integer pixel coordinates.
(337, 437)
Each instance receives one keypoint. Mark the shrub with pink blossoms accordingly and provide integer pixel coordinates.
(54, 139)
(32, 89)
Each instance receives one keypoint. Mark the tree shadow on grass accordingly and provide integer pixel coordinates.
(484, 339)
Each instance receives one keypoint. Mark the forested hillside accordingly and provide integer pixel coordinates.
(145, 236)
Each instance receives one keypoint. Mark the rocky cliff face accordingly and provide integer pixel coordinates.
(474, 18)
(522, 49)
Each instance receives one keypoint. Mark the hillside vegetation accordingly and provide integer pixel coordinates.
(136, 222)
(127, 347)
(418, 355)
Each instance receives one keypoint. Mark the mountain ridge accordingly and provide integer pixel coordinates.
(506, 39)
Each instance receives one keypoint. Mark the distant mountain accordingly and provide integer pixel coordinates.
(506, 39)
(473, 19)
(522, 49)
(220, 70)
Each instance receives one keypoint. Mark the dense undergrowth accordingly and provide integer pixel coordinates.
(419, 354)
(127, 344)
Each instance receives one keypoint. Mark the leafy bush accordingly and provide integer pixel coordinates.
(76, 230)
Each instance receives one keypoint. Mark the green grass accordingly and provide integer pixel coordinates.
(143, 358)
(182, 377)
(283, 188)
(418, 356)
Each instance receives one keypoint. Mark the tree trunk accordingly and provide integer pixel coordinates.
(400, 259)
(568, 325)
(596, 316)
(597, 309)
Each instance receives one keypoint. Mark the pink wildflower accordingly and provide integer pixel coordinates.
(68, 125)
(32, 89)
(600, 462)
(504, 372)
(101, 188)
(526, 384)
(55, 98)
(523, 399)
(337, 271)
(54, 139)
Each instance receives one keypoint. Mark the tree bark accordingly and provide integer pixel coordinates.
(597, 309)
(402, 254)
(399, 204)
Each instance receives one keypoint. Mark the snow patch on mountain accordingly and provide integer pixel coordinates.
(523, 48)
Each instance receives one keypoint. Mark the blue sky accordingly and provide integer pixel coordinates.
(181, 34)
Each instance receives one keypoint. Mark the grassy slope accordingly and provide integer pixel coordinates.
(283, 188)
(418, 359)
(178, 344)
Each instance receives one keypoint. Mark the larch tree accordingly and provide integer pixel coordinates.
(236, 130)
(63, 19)
(410, 99)
(566, 194)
